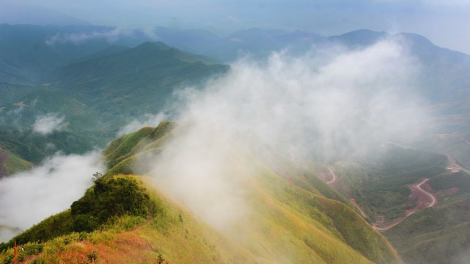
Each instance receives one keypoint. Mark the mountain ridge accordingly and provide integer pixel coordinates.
(320, 230)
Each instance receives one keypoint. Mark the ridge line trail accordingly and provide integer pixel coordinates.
(137, 228)
(353, 201)
(416, 187)
(334, 176)
(146, 223)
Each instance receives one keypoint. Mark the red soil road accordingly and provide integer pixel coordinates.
(425, 200)
(334, 176)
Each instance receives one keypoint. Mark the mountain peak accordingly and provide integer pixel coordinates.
(154, 45)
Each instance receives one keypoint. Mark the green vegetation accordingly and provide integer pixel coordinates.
(109, 198)
(381, 185)
(291, 218)
(460, 180)
(119, 149)
(24, 148)
(100, 95)
(12, 93)
(122, 152)
(434, 235)
(34, 147)
(105, 202)
(13, 163)
(453, 145)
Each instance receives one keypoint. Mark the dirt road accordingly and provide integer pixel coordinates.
(358, 208)
(430, 195)
(334, 176)
(423, 197)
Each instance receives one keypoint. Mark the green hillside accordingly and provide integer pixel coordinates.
(440, 234)
(23, 149)
(380, 186)
(12, 93)
(131, 219)
(26, 55)
(454, 145)
(144, 76)
(11, 163)
(436, 235)
(100, 95)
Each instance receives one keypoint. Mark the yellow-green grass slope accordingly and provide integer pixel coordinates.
(290, 220)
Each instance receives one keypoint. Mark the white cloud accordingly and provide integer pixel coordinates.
(29, 197)
(110, 36)
(145, 120)
(48, 123)
(332, 103)
(233, 18)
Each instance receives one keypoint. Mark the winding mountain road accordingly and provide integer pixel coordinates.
(334, 176)
(430, 195)
(415, 187)
(353, 201)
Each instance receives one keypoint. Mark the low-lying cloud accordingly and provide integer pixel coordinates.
(143, 121)
(27, 198)
(46, 124)
(328, 104)
(111, 36)
(333, 102)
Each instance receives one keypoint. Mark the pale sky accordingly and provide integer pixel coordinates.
(444, 22)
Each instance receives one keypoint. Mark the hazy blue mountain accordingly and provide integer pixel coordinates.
(21, 13)
(358, 38)
(28, 53)
(111, 50)
(84, 58)
(192, 40)
(101, 94)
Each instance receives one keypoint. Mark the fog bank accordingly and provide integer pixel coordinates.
(329, 104)
(29, 197)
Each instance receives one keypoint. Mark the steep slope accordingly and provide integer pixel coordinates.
(284, 182)
(276, 221)
(385, 188)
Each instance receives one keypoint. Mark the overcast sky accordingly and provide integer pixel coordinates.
(445, 22)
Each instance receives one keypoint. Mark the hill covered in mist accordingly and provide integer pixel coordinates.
(245, 204)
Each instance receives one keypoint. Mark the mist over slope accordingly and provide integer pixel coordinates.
(329, 102)
(30, 196)
(247, 203)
